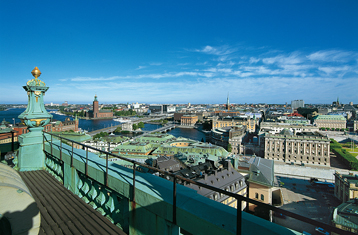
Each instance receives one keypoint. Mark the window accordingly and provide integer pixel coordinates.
(256, 195)
(262, 197)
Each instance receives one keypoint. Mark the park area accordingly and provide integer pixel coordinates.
(346, 152)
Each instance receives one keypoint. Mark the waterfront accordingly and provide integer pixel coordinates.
(92, 125)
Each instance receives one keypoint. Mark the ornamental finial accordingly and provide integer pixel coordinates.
(35, 82)
(36, 72)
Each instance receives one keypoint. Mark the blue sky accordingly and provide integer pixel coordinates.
(181, 51)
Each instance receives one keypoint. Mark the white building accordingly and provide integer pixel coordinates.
(295, 104)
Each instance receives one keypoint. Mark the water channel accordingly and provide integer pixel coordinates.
(92, 125)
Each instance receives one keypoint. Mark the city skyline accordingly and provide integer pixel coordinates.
(181, 52)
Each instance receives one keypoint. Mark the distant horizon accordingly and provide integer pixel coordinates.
(124, 103)
(181, 52)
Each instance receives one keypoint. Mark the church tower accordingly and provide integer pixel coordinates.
(228, 103)
(95, 107)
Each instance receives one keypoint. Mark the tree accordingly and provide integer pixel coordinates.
(229, 147)
(99, 135)
(165, 121)
(207, 125)
(118, 130)
(135, 127)
(141, 125)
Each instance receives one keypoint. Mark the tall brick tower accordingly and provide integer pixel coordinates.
(95, 107)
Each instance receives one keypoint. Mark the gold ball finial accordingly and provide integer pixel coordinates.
(36, 72)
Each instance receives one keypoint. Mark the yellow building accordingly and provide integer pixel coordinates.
(188, 120)
(260, 179)
(234, 121)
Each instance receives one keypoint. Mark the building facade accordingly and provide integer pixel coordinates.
(7, 134)
(96, 113)
(188, 120)
(346, 186)
(234, 121)
(295, 104)
(330, 121)
(276, 127)
(229, 135)
(301, 148)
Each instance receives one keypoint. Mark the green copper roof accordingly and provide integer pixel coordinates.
(134, 148)
(78, 137)
(329, 117)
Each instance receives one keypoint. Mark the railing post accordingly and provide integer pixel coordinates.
(175, 200)
(134, 166)
(61, 149)
(43, 140)
(238, 216)
(106, 169)
(51, 145)
(72, 156)
(86, 170)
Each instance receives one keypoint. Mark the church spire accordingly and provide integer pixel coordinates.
(228, 103)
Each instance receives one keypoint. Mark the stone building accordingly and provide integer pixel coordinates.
(346, 186)
(188, 120)
(299, 148)
(276, 127)
(234, 121)
(330, 121)
(58, 126)
(96, 113)
(233, 135)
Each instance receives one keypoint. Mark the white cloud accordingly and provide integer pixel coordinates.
(84, 79)
(330, 69)
(219, 51)
(273, 75)
(244, 89)
(141, 67)
(293, 58)
(332, 56)
(253, 60)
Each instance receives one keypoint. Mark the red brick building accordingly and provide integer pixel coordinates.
(98, 114)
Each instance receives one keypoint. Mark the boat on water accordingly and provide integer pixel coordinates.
(57, 112)
(121, 120)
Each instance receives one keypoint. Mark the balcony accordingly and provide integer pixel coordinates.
(142, 203)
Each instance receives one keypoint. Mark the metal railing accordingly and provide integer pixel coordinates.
(238, 197)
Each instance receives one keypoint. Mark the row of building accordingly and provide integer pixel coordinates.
(205, 163)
